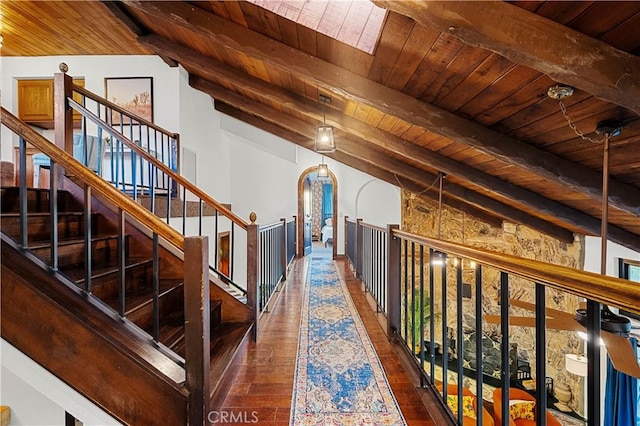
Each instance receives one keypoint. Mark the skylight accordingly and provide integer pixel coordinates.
(354, 22)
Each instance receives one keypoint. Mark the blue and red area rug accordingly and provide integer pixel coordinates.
(339, 379)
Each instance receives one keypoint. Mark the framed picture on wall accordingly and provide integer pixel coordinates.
(134, 94)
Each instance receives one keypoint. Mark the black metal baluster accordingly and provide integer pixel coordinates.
(88, 229)
(406, 290)
(232, 248)
(168, 200)
(541, 356)
(432, 323)
(459, 351)
(445, 321)
(479, 313)
(22, 149)
(53, 209)
(504, 329)
(184, 210)
(121, 262)
(413, 297)
(156, 288)
(593, 362)
(422, 316)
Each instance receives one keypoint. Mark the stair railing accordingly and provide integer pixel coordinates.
(450, 306)
(276, 252)
(196, 277)
(144, 164)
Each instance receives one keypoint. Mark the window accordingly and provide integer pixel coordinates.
(629, 270)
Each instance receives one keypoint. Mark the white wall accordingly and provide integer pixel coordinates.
(615, 251)
(37, 397)
(94, 69)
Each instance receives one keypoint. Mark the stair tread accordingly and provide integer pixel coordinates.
(77, 274)
(41, 214)
(178, 345)
(36, 245)
(135, 300)
(228, 336)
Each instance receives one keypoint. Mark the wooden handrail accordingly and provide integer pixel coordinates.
(160, 165)
(604, 289)
(377, 228)
(81, 90)
(101, 186)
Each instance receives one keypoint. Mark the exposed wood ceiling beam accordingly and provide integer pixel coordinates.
(360, 149)
(355, 163)
(215, 71)
(525, 38)
(122, 14)
(316, 72)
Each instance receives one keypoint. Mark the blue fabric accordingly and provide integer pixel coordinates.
(327, 202)
(621, 396)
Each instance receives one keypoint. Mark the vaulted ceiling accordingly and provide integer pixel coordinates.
(453, 87)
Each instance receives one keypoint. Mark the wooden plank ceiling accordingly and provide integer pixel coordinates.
(457, 87)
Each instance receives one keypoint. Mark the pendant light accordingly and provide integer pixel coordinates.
(325, 142)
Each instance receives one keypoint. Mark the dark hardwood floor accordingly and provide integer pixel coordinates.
(262, 387)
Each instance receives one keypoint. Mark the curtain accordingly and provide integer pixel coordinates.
(327, 202)
(621, 396)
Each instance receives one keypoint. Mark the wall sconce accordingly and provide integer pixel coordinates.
(325, 141)
(323, 169)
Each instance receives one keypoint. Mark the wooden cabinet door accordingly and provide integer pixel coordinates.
(35, 100)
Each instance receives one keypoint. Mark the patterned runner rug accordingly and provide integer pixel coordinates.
(339, 379)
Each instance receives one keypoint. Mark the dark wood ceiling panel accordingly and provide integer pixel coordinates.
(473, 84)
(437, 59)
(425, 101)
(413, 52)
(464, 64)
(500, 90)
(288, 32)
(562, 12)
(395, 32)
(625, 36)
(597, 21)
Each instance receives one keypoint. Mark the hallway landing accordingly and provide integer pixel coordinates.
(263, 385)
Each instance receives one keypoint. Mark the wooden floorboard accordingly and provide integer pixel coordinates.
(263, 385)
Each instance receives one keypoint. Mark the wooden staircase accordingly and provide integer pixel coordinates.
(229, 319)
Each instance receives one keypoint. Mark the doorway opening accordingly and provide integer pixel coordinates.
(317, 213)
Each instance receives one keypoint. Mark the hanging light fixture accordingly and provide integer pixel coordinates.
(325, 142)
(323, 169)
(438, 257)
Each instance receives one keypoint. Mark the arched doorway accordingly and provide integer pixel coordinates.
(305, 214)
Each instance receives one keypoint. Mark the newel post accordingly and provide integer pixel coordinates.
(197, 327)
(393, 282)
(346, 235)
(253, 264)
(62, 113)
(359, 252)
(285, 248)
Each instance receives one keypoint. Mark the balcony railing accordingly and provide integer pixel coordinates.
(276, 252)
(492, 323)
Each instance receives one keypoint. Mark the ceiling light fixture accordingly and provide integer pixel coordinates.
(323, 169)
(325, 142)
(608, 129)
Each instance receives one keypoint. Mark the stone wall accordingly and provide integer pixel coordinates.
(420, 216)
